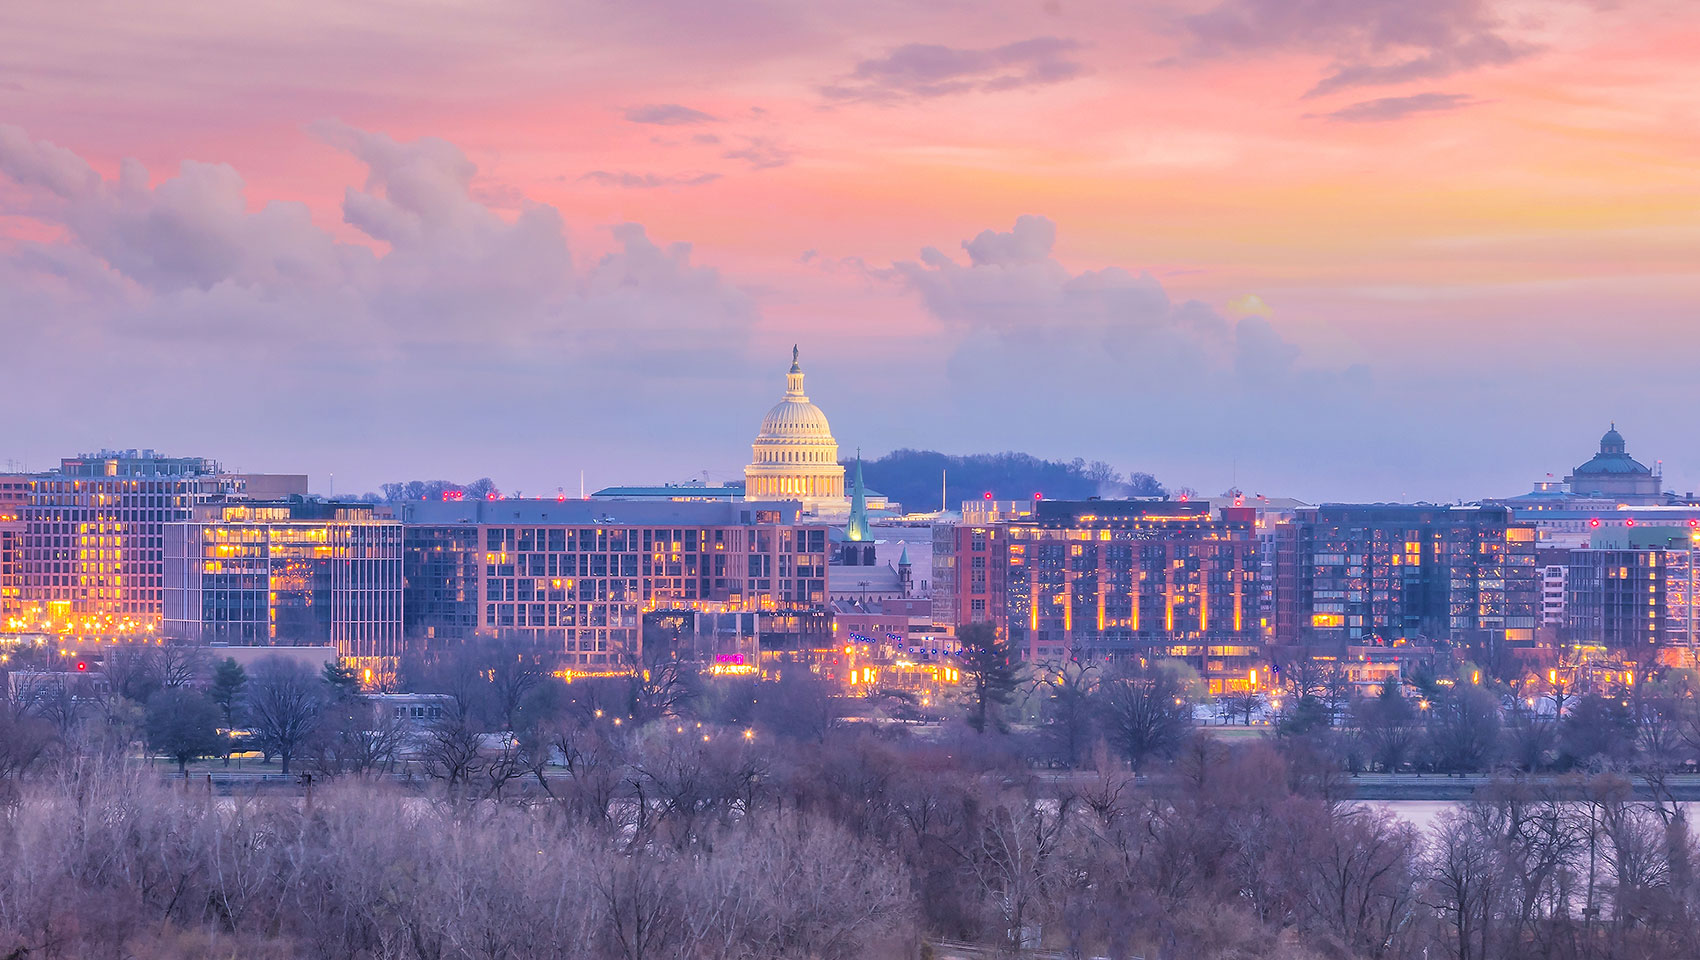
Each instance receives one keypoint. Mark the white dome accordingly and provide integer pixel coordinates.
(795, 418)
(795, 456)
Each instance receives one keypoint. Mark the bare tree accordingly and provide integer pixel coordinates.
(355, 737)
(515, 669)
(452, 751)
(1069, 711)
(1244, 703)
(1145, 714)
(285, 700)
(1014, 860)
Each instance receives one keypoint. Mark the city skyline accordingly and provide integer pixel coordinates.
(1378, 254)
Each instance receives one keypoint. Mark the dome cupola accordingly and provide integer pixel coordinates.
(1612, 442)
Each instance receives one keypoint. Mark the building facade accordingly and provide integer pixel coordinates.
(286, 573)
(584, 575)
(795, 457)
(1631, 593)
(91, 562)
(1106, 580)
(1386, 572)
(14, 497)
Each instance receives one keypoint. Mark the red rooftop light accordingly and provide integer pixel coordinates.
(1594, 522)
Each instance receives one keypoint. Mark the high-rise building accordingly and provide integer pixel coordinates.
(584, 574)
(1632, 593)
(1369, 572)
(14, 497)
(286, 573)
(1109, 579)
(795, 456)
(92, 557)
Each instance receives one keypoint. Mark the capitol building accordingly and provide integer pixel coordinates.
(795, 456)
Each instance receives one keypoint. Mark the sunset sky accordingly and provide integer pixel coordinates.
(1331, 249)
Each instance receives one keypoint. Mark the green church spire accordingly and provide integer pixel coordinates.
(858, 530)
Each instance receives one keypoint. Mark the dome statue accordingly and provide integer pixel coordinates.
(795, 457)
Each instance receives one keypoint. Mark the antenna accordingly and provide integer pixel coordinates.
(581, 495)
(944, 499)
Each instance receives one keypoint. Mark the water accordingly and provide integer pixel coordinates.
(1421, 814)
(1424, 814)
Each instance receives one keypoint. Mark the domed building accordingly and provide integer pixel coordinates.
(1613, 474)
(795, 455)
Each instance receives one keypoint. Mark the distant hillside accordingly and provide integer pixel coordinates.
(911, 477)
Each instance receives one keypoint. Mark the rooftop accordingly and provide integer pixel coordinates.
(658, 513)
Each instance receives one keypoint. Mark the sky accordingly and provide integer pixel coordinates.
(1328, 249)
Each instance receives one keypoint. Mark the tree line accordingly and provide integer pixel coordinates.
(911, 477)
(1459, 721)
(663, 814)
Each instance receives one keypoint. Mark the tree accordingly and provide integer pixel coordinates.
(990, 672)
(516, 668)
(1388, 725)
(452, 750)
(183, 725)
(1599, 729)
(353, 737)
(24, 742)
(1245, 703)
(285, 700)
(1069, 712)
(1463, 728)
(229, 682)
(344, 682)
(657, 692)
(1146, 713)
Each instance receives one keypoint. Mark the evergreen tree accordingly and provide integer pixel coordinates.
(990, 672)
(343, 681)
(229, 681)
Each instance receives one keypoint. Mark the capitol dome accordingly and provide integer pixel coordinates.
(795, 456)
(795, 418)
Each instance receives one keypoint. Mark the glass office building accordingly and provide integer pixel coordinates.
(286, 573)
(90, 557)
(1384, 572)
(581, 575)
